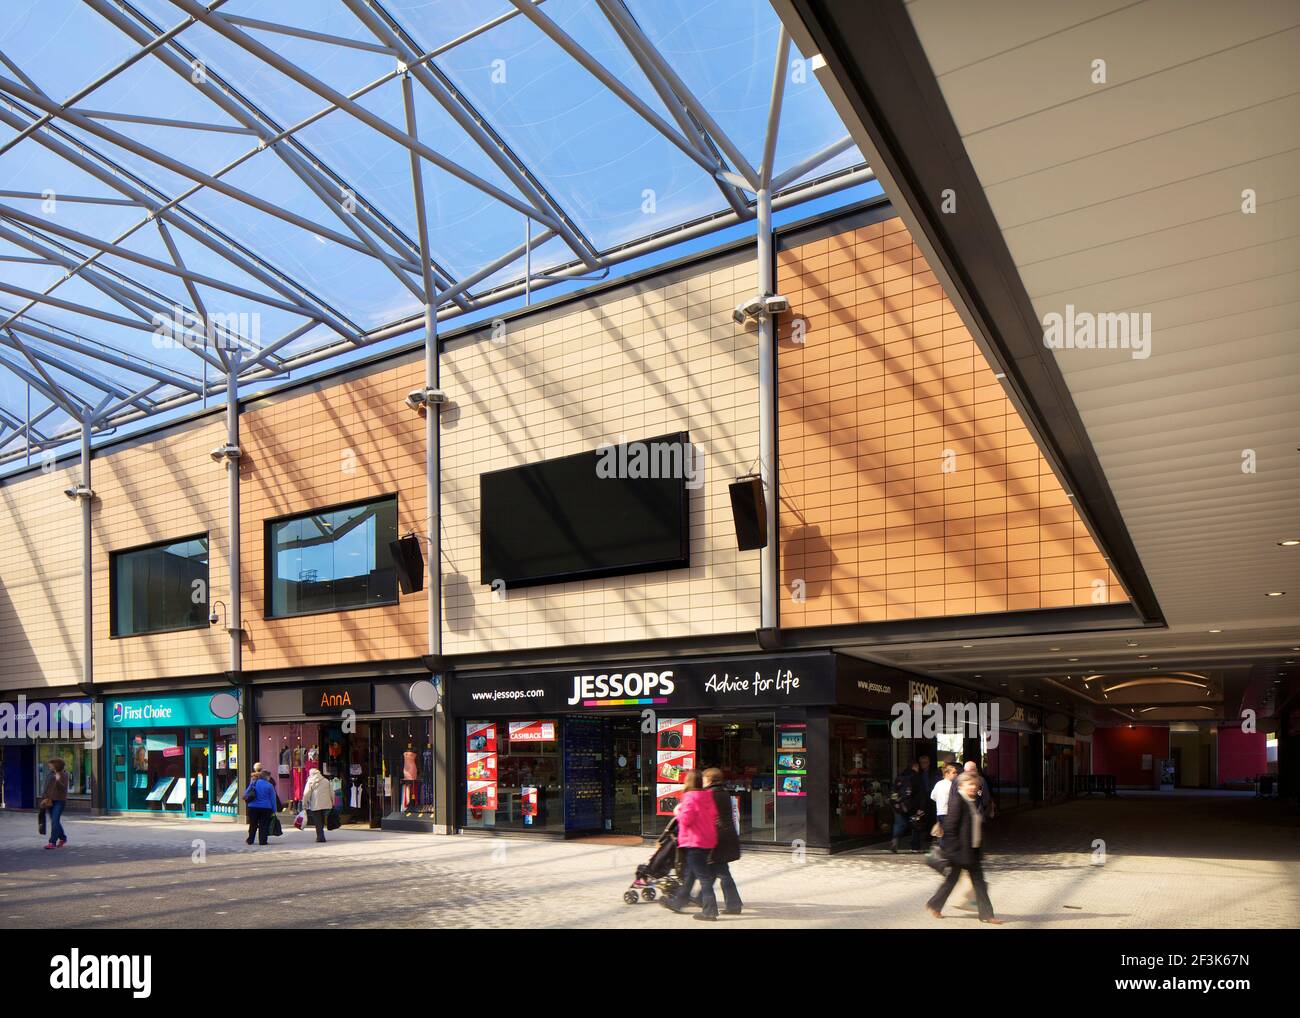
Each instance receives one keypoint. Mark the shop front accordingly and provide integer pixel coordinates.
(946, 723)
(601, 749)
(173, 754)
(1058, 758)
(1012, 763)
(34, 732)
(374, 741)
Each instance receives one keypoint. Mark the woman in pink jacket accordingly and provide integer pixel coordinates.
(697, 836)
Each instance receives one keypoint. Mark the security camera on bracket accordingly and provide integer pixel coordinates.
(759, 306)
(418, 399)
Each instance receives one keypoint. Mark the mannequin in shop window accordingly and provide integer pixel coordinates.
(410, 777)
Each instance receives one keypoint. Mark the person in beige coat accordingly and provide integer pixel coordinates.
(317, 800)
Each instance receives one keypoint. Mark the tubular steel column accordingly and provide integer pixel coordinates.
(234, 624)
(87, 585)
(234, 614)
(769, 614)
(433, 514)
(432, 424)
(433, 488)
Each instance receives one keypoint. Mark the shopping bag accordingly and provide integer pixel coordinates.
(332, 820)
(300, 820)
(276, 830)
(40, 822)
(936, 860)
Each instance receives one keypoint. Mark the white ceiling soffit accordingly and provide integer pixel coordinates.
(1135, 158)
(1145, 158)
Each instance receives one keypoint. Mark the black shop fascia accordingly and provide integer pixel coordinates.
(602, 747)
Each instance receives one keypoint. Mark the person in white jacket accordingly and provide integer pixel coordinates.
(317, 799)
(942, 791)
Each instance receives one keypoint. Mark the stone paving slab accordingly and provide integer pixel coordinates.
(1192, 863)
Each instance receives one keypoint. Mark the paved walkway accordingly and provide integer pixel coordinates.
(1170, 862)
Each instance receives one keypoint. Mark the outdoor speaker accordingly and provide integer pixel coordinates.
(749, 511)
(408, 561)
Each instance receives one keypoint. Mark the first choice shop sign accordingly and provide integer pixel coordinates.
(125, 713)
(768, 681)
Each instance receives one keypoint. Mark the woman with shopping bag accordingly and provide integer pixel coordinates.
(262, 801)
(318, 800)
(54, 797)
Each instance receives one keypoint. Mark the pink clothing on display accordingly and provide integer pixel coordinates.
(299, 782)
(410, 772)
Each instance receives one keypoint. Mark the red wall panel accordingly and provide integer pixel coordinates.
(1119, 751)
(1242, 755)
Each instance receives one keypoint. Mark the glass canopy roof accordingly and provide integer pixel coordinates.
(194, 190)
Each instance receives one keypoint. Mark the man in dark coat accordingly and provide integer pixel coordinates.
(926, 778)
(963, 846)
(728, 848)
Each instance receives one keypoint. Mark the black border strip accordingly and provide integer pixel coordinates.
(873, 52)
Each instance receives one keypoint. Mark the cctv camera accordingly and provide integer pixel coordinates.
(417, 398)
(747, 310)
(775, 304)
(212, 617)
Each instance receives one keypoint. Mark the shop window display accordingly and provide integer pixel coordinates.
(860, 778)
(76, 758)
(225, 772)
(514, 772)
(288, 751)
(156, 780)
(744, 748)
(406, 779)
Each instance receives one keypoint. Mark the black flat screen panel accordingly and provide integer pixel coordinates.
(577, 518)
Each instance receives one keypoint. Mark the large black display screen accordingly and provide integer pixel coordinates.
(615, 510)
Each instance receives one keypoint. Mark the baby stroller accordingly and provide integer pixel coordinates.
(661, 871)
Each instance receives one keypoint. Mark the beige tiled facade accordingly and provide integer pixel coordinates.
(315, 449)
(40, 581)
(645, 360)
(884, 383)
(910, 486)
(164, 489)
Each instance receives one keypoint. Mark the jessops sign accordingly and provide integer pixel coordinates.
(767, 681)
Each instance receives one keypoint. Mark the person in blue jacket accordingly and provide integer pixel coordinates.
(262, 801)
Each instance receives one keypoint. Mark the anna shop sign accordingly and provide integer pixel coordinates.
(336, 697)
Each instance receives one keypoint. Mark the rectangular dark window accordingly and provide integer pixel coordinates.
(331, 560)
(160, 588)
